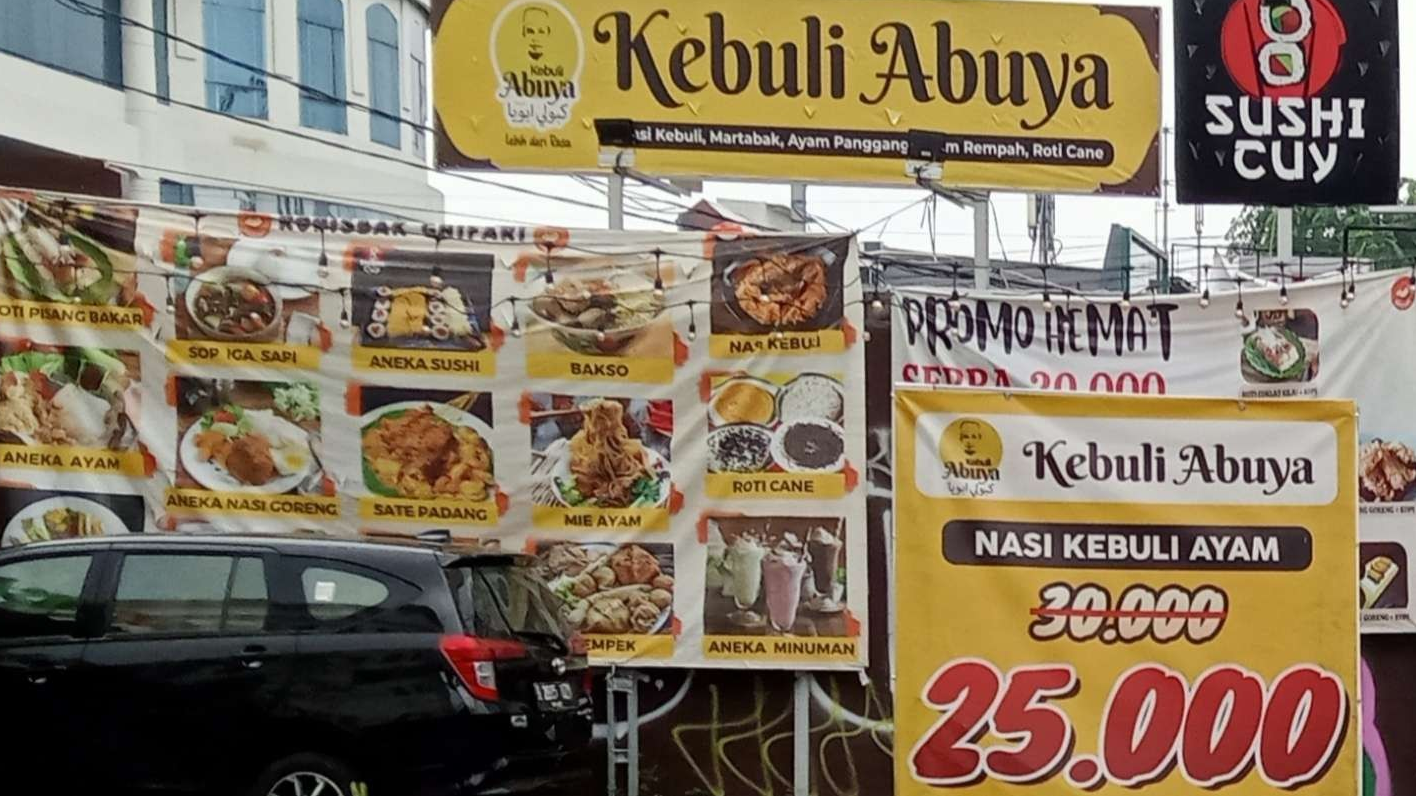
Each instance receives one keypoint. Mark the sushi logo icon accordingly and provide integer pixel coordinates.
(537, 54)
(971, 449)
(1282, 48)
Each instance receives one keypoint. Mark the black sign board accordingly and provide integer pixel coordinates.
(1287, 102)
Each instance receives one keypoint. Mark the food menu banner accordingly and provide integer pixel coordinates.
(1156, 591)
(1287, 102)
(1021, 96)
(1303, 340)
(671, 423)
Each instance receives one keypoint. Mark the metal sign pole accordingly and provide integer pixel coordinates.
(616, 200)
(801, 736)
(981, 256)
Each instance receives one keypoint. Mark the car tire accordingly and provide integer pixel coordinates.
(307, 771)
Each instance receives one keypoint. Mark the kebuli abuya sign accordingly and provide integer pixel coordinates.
(1287, 101)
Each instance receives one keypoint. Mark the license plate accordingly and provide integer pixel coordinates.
(554, 695)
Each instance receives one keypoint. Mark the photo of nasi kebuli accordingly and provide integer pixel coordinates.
(763, 286)
(609, 589)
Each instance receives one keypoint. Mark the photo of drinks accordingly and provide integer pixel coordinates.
(775, 576)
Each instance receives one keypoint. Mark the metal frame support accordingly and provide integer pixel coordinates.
(982, 263)
(626, 683)
(801, 735)
(616, 200)
(1284, 240)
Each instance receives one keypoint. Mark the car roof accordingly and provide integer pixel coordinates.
(307, 544)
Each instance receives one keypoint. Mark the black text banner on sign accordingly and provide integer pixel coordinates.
(1140, 591)
(1302, 341)
(676, 443)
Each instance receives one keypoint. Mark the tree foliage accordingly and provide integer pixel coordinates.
(1318, 231)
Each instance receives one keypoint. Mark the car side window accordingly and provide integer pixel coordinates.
(185, 594)
(39, 597)
(335, 594)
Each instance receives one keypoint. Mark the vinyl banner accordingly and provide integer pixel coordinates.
(1304, 341)
(1141, 592)
(1287, 102)
(1030, 96)
(676, 443)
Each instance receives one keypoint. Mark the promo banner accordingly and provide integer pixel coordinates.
(1324, 338)
(1287, 102)
(671, 423)
(1140, 592)
(1029, 96)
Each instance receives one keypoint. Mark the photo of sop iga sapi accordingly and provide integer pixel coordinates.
(1287, 102)
(250, 437)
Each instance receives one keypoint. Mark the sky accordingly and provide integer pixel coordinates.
(1083, 222)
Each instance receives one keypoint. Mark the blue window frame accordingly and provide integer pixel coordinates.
(384, 125)
(84, 40)
(161, 50)
(235, 75)
(322, 65)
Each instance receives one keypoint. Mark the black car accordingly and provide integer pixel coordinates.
(285, 667)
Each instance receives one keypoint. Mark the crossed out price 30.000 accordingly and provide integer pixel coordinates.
(1166, 614)
(1216, 730)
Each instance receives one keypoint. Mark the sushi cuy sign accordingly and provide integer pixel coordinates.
(1287, 101)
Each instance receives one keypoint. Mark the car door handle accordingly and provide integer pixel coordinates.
(252, 657)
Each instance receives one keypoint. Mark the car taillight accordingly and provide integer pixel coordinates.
(474, 659)
(589, 681)
(578, 644)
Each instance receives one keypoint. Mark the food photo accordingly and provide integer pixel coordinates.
(243, 304)
(1282, 346)
(72, 397)
(427, 444)
(411, 300)
(1382, 582)
(249, 437)
(58, 253)
(762, 286)
(1386, 470)
(594, 452)
(780, 423)
(601, 307)
(775, 576)
(610, 589)
(30, 515)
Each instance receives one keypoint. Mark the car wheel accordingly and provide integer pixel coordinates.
(309, 775)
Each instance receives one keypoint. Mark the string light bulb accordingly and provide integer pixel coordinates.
(1126, 299)
(1205, 298)
(955, 302)
(324, 257)
(515, 321)
(1046, 301)
(658, 275)
(1283, 295)
(344, 309)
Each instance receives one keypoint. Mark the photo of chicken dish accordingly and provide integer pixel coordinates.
(769, 285)
(427, 451)
(68, 397)
(48, 255)
(251, 437)
(1387, 471)
(611, 590)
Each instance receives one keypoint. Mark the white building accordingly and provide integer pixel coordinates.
(95, 103)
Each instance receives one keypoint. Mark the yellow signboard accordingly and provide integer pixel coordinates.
(1139, 591)
(1028, 96)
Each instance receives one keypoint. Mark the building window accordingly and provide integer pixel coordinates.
(235, 69)
(175, 193)
(420, 101)
(83, 39)
(384, 125)
(322, 65)
(161, 50)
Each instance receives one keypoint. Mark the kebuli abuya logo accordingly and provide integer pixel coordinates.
(537, 56)
(971, 451)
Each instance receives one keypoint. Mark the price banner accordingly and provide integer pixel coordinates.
(1140, 591)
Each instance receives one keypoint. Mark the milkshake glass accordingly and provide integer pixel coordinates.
(782, 573)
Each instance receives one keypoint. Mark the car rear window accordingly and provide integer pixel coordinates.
(344, 597)
(506, 601)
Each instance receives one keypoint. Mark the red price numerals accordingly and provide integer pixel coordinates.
(1214, 730)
